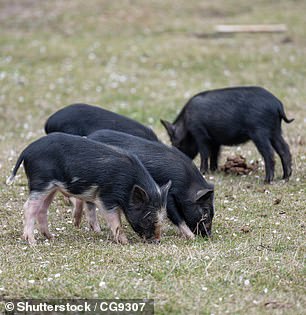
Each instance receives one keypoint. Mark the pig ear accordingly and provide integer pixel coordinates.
(165, 190)
(203, 194)
(139, 195)
(169, 127)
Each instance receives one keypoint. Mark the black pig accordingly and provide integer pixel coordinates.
(83, 119)
(111, 179)
(190, 200)
(232, 116)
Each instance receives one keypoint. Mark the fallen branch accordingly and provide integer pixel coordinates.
(257, 28)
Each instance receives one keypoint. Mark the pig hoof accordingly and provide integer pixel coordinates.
(48, 235)
(190, 237)
(267, 182)
(203, 169)
(95, 227)
(67, 201)
(30, 239)
(122, 239)
(77, 223)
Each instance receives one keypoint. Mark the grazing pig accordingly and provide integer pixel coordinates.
(83, 119)
(109, 178)
(190, 200)
(229, 117)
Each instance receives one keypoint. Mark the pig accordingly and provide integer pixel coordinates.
(232, 116)
(83, 119)
(190, 203)
(109, 178)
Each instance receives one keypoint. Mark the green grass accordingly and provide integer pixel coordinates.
(145, 59)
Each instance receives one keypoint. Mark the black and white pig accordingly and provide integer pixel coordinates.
(232, 116)
(190, 203)
(83, 119)
(104, 177)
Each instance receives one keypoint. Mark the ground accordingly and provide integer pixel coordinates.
(144, 59)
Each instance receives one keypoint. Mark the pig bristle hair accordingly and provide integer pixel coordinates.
(9, 180)
(161, 215)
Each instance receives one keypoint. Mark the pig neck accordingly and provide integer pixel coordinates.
(181, 115)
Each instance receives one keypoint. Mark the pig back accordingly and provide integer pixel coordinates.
(83, 119)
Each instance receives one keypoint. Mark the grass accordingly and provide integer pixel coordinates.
(145, 59)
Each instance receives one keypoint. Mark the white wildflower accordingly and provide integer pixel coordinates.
(102, 285)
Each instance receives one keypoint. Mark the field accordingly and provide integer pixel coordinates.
(145, 59)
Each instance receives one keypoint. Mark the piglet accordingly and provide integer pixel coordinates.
(232, 116)
(190, 204)
(99, 175)
(83, 119)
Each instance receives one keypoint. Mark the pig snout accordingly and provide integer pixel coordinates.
(155, 239)
(208, 227)
(157, 233)
(204, 228)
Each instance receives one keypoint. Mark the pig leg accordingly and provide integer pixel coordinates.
(91, 216)
(204, 154)
(265, 149)
(214, 156)
(175, 217)
(67, 201)
(282, 149)
(42, 215)
(206, 226)
(77, 211)
(186, 232)
(113, 220)
(201, 137)
(204, 150)
(31, 210)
